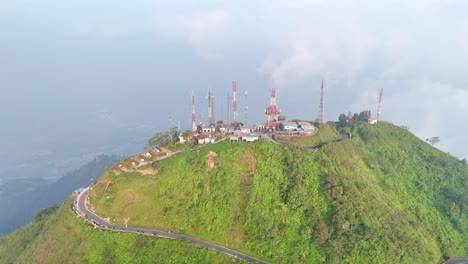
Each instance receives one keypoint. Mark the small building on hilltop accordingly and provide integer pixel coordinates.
(204, 139)
(250, 138)
(247, 129)
(306, 126)
(289, 125)
(181, 139)
(208, 129)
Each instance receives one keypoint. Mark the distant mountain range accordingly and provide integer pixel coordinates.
(21, 198)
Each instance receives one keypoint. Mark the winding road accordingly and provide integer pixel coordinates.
(82, 210)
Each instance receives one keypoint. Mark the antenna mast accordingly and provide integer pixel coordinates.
(234, 102)
(211, 106)
(272, 112)
(228, 109)
(194, 125)
(380, 104)
(320, 118)
(246, 108)
(170, 126)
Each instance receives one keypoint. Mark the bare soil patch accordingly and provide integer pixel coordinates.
(148, 171)
(211, 159)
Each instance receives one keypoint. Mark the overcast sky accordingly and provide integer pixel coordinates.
(79, 78)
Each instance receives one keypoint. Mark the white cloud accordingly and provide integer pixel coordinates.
(308, 42)
(429, 108)
(205, 31)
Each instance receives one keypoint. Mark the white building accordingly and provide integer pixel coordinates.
(247, 129)
(208, 129)
(306, 125)
(250, 138)
(289, 125)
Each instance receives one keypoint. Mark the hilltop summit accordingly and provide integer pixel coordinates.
(382, 196)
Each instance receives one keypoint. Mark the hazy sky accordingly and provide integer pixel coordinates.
(79, 78)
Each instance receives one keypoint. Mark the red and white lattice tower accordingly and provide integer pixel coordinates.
(379, 108)
(272, 112)
(234, 102)
(194, 124)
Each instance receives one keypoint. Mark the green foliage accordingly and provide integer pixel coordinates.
(162, 139)
(433, 140)
(45, 212)
(383, 196)
(345, 120)
(61, 237)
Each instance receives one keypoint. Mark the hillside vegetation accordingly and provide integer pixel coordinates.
(58, 236)
(382, 196)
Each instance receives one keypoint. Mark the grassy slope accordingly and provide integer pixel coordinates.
(384, 196)
(326, 133)
(63, 238)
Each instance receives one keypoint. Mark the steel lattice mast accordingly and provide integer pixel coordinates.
(194, 124)
(234, 102)
(272, 111)
(245, 108)
(379, 108)
(320, 118)
(229, 98)
(211, 106)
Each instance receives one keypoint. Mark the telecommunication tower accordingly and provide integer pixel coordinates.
(211, 106)
(194, 124)
(272, 112)
(229, 99)
(379, 108)
(245, 108)
(202, 119)
(234, 102)
(320, 118)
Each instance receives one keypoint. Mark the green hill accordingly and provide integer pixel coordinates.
(383, 196)
(58, 236)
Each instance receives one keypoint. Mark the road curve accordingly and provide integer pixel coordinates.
(80, 208)
(457, 261)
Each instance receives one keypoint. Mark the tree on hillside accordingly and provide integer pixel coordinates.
(365, 115)
(342, 121)
(433, 140)
(281, 118)
(163, 138)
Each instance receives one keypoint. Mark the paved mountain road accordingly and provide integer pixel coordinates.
(92, 218)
